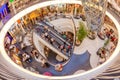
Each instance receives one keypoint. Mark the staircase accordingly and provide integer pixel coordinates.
(112, 73)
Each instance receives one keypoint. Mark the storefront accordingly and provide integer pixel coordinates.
(4, 10)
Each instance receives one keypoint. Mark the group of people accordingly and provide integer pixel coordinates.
(112, 37)
(39, 59)
(26, 57)
(45, 35)
(67, 37)
(66, 49)
(102, 52)
(109, 45)
(23, 55)
(58, 44)
(110, 34)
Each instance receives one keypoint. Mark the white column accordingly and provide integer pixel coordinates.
(1, 24)
(13, 6)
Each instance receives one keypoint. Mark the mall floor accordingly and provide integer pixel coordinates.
(82, 64)
(84, 57)
(69, 69)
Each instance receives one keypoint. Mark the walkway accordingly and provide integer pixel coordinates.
(91, 45)
(70, 68)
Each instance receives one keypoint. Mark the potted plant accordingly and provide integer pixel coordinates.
(106, 42)
(81, 33)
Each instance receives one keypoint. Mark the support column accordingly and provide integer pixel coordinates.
(13, 6)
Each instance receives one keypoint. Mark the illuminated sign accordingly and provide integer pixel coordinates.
(11, 1)
(4, 10)
(3, 7)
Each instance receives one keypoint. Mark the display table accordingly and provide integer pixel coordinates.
(59, 58)
(58, 67)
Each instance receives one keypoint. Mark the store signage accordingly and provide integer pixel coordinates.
(3, 7)
(3, 10)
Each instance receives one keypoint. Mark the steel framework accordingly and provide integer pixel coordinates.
(95, 12)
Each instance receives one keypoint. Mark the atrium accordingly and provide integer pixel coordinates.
(59, 40)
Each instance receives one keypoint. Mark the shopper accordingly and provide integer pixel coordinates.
(61, 47)
(46, 35)
(51, 40)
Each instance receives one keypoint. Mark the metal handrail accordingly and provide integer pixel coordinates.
(57, 34)
(51, 44)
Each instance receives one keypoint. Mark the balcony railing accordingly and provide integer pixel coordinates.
(111, 73)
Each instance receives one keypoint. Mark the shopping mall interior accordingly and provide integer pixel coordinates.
(59, 39)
